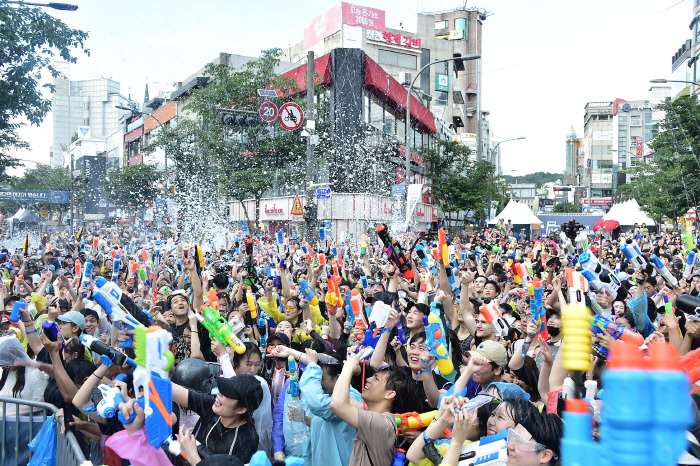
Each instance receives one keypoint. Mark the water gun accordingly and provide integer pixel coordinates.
(690, 363)
(645, 409)
(688, 238)
(198, 259)
(567, 247)
(618, 332)
(25, 246)
(262, 330)
(95, 244)
(663, 271)
(308, 292)
(521, 274)
(111, 399)
(218, 327)
(395, 253)
(87, 275)
(442, 245)
(153, 361)
(333, 297)
(411, 422)
(489, 245)
(156, 252)
(428, 262)
(19, 283)
(576, 287)
(488, 451)
(108, 296)
(634, 256)
(598, 275)
(133, 270)
(690, 264)
(538, 311)
(356, 307)
(436, 344)
(494, 318)
(250, 299)
(293, 388)
(250, 268)
(116, 264)
(363, 245)
(108, 355)
(16, 314)
(79, 235)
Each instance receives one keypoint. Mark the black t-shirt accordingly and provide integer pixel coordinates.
(180, 346)
(241, 441)
(419, 402)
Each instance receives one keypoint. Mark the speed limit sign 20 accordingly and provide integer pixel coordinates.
(268, 112)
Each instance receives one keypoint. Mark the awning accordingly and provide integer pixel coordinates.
(322, 66)
(135, 134)
(395, 95)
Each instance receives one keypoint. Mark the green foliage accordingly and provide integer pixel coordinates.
(132, 186)
(29, 41)
(669, 183)
(565, 207)
(539, 178)
(458, 183)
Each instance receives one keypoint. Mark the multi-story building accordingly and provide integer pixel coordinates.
(597, 161)
(634, 125)
(574, 151)
(524, 192)
(83, 104)
(403, 50)
(695, 48)
(682, 70)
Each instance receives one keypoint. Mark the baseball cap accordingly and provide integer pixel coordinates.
(493, 351)
(244, 388)
(74, 317)
(280, 336)
(380, 296)
(36, 278)
(64, 303)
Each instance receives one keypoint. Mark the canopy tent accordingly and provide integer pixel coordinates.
(628, 213)
(25, 215)
(521, 217)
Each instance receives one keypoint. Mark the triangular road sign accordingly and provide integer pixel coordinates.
(296, 206)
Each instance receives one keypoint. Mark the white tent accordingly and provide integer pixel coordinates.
(628, 213)
(518, 213)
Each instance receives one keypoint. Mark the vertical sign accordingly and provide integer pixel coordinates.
(640, 147)
(414, 194)
(398, 212)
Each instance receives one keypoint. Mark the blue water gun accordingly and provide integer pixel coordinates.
(108, 296)
(663, 271)
(634, 256)
(428, 264)
(690, 264)
(451, 278)
(308, 292)
(87, 275)
(115, 267)
(111, 399)
(436, 344)
(348, 308)
(293, 388)
(15, 315)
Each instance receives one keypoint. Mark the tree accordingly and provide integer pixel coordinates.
(132, 186)
(459, 184)
(239, 163)
(668, 183)
(539, 178)
(29, 40)
(565, 207)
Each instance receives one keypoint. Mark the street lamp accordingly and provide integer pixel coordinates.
(459, 66)
(55, 6)
(664, 81)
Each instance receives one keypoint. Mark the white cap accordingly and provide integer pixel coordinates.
(36, 278)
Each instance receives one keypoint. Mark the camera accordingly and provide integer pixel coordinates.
(571, 229)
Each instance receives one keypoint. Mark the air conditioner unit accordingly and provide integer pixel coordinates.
(457, 34)
(405, 78)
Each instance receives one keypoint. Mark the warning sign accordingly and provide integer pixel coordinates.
(296, 207)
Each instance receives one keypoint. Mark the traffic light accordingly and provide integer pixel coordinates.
(241, 119)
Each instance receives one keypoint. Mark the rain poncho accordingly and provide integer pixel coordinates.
(282, 431)
(331, 437)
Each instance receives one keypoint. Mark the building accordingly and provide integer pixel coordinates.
(695, 48)
(524, 192)
(574, 152)
(682, 70)
(87, 104)
(596, 165)
(634, 125)
(403, 50)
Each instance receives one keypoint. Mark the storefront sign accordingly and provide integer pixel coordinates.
(356, 15)
(390, 38)
(134, 124)
(273, 210)
(442, 82)
(640, 147)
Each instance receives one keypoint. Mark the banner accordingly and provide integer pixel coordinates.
(48, 197)
(414, 195)
(398, 200)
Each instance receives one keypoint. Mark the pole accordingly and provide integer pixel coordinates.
(73, 212)
(310, 214)
(478, 109)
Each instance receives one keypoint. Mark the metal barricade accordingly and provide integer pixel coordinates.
(68, 452)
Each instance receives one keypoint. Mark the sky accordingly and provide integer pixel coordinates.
(542, 60)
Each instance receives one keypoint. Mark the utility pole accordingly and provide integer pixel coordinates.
(310, 210)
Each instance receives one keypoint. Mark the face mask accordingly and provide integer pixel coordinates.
(553, 331)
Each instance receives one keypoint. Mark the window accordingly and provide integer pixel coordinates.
(440, 98)
(635, 120)
(461, 23)
(441, 24)
(404, 60)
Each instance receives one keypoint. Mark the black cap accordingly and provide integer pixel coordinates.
(245, 388)
(280, 336)
(9, 299)
(380, 296)
(64, 303)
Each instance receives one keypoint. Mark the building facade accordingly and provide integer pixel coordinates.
(83, 104)
(682, 70)
(695, 48)
(525, 193)
(403, 50)
(597, 161)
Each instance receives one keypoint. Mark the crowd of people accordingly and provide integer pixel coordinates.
(336, 353)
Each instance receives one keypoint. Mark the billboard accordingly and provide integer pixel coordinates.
(94, 170)
(47, 197)
(329, 22)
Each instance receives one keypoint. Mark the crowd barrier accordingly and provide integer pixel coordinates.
(18, 430)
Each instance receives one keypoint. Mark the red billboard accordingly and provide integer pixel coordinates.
(329, 22)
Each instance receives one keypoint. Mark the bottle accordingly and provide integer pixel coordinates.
(300, 431)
